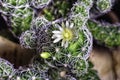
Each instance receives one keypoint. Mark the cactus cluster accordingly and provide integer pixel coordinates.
(18, 13)
(6, 69)
(104, 5)
(59, 32)
(108, 35)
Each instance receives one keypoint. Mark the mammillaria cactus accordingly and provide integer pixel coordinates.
(59, 32)
(109, 35)
(18, 13)
(6, 69)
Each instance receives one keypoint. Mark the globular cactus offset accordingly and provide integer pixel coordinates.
(108, 35)
(19, 14)
(6, 69)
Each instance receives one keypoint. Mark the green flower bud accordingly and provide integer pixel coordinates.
(45, 55)
(73, 47)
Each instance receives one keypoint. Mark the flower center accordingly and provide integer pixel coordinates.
(67, 34)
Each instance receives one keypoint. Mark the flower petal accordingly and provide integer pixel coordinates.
(56, 32)
(66, 44)
(54, 36)
(58, 26)
(71, 25)
(57, 36)
(67, 24)
(57, 40)
(63, 42)
(63, 25)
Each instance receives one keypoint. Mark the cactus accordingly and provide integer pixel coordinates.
(104, 5)
(6, 69)
(18, 13)
(109, 36)
(60, 35)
